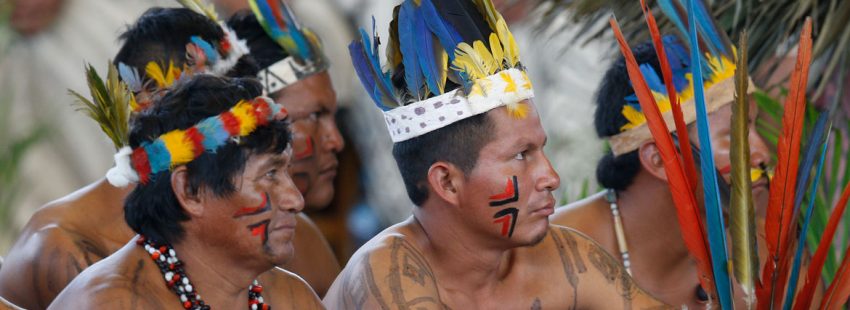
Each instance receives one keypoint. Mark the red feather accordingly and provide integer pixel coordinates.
(804, 297)
(667, 73)
(780, 208)
(838, 292)
(686, 207)
(275, 6)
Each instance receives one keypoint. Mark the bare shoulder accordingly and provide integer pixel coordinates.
(286, 290)
(118, 282)
(604, 282)
(47, 255)
(389, 272)
(314, 259)
(6, 305)
(578, 213)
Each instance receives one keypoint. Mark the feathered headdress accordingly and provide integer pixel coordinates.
(437, 46)
(300, 43)
(718, 69)
(215, 57)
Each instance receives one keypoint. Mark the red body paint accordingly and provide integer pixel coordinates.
(263, 207)
(511, 194)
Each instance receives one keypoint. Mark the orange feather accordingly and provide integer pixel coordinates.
(804, 297)
(686, 207)
(780, 209)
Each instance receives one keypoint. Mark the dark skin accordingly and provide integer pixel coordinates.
(660, 262)
(221, 255)
(451, 253)
(6, 305)
(70, 234)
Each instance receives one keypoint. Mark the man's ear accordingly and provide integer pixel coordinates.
(444, 179)
(190, 200)
(651, 160)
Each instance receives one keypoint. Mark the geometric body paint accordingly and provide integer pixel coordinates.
(260, 229)
(264, 206)
(308, 149)
(511, 194)
(507, 218)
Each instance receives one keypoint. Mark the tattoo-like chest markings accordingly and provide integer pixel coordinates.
(536, 305)
(307, 152)
(407, 264)
(260, 229)
(506, 217)
(511, 194)
(264, 206)
(613, 273)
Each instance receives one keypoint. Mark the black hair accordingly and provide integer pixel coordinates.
(264, 50)
(618, 172)
(458, 144)
(161, 35)
(152, 209)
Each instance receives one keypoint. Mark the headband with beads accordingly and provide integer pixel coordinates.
(181, 146)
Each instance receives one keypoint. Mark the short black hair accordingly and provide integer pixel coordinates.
(152, 209)
(161, 35)
(618, 172)
(458, 143)
(264, 50)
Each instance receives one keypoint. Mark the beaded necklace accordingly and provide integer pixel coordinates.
(176, 279)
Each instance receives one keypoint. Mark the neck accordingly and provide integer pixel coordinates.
(648, 211)
(221, 282)
(464, 257)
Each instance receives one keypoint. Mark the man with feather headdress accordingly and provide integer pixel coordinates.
(70, 234)
(469, 144)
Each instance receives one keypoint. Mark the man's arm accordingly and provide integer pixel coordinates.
(597, 280)
(314, 259)
(390, 275)
(108, 295)
(41, 264)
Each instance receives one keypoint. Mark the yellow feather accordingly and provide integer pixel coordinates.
(511, 84)
(468, 61)
(517, 110)
(508, 43)
(635, 117)
(489, 64)
(247, 120)
(179, 147)
(154, 71)
(496, 48)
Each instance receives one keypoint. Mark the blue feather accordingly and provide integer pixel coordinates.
(652, 79)
(209, 50)
(370, 80)
(301, 41)
(714, 217)
(425, 50)
(708, 29)
(816, 139)
(449, 37)
(668, 7)
(270, 21)
(130, 76)
(407, 37)
(372, 56)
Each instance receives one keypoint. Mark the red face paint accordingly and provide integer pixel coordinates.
(260, 229)
(507, 218)
(264, 206)
(308, 149)
(511, 194)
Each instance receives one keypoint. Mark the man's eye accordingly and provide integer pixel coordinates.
(271, 173)
(314, 116)
(520, 156)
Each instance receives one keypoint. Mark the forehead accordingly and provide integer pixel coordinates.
(309, 93)
(509, 130)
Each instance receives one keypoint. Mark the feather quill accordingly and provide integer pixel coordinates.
(109, 105)
(780, 206)
(741, 212)
(678, 117)
(714, 215)
(687, 212)
(813, 275)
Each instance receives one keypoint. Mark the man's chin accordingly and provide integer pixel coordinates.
(319, 197)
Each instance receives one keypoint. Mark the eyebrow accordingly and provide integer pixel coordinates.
(276, 161)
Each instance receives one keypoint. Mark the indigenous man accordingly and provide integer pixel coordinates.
(214, 207)
(70, 234)
(637, 199)
(469, 144)
(297, 77)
